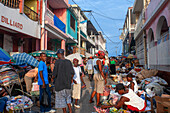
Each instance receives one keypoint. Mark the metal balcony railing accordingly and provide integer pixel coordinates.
(30, 13)
(50, 14)
(10, 3)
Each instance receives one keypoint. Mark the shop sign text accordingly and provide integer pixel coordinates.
(11, 22)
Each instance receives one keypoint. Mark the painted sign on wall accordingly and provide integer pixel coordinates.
(11, 22)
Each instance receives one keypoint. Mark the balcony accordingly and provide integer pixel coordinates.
(58, 4)
(53, 20)
(138, 6)
(30, 13)
(139, 24)
(10, 3)
(83, 34)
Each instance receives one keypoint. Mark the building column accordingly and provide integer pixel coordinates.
(63, 43)
(145, 49)
(43, 39)
(21, 6)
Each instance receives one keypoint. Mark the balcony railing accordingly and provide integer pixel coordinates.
(30, 13)
(82, 33)
(10, 3)
(50, 14)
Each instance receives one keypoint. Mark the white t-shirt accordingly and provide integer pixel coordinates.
(135, 86)
(76, 77)
(135, 100)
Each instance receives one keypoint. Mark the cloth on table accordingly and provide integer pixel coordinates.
(8, 77)
(156, 88)
(19, 102)
(153, 80)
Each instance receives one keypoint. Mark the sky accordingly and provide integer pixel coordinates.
(114, 9)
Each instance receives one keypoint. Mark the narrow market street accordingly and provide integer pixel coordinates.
(85, 106)
(57, 55)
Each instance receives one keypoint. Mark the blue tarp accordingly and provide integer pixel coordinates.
(59, 24)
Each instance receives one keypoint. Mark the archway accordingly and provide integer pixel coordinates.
(162, 29)
(151, 38)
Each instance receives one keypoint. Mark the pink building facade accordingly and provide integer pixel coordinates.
(157, 27)
(53, 34)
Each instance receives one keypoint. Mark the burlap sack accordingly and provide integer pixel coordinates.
(146, 74)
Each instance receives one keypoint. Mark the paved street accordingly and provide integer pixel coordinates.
(84, 101)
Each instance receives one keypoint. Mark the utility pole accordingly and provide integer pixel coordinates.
(116, 51)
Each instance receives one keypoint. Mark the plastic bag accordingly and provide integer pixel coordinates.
(44, 100)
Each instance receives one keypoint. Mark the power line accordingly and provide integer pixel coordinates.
(107, 16)
(102, 30)
(129, 1)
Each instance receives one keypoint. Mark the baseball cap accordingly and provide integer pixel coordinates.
(119, 86)
(60, 51)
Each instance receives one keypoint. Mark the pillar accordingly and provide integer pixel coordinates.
(21, 6)
(46, 39)
(63, 42)
(43, 39)
(145, 50)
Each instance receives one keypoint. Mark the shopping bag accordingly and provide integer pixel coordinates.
(45, 99)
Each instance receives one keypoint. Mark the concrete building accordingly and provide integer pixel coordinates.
(19, 25)
(101, 42)
(152, 33)
(127, 35)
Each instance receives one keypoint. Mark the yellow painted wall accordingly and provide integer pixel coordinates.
(31, 4)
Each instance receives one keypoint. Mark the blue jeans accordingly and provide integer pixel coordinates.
(3, 101)
(42, 108)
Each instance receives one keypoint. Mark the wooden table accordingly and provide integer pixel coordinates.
(161, 103)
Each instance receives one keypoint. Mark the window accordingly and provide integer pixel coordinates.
(72, 24)
(1, 40)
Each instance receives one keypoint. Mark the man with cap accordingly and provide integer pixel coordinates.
(63, 76)
(99, 77)
(128, 98)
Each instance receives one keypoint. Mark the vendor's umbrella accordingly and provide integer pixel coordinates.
(5, 58)
(49, 53)
(76, 55)
(24, 58)
(131, 56)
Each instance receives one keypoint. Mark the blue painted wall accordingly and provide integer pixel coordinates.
(69, 30)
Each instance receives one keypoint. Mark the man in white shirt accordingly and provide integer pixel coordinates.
(89, 67)
(77, 79)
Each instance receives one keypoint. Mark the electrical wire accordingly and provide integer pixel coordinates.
(107, 16)
(104, 32)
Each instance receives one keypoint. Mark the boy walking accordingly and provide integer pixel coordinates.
(77, 83)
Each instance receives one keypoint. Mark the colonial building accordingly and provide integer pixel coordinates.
(127, 35)
(152, 33)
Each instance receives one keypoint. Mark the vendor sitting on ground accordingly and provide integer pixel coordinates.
(132, 84)
(33, 73)
(3, 99)
(128, 98)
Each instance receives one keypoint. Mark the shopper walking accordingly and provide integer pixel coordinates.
(99, 78)
(77, 79)
(89, 67)
(63, 76)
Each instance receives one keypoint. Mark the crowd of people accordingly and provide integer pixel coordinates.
(67, 77)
